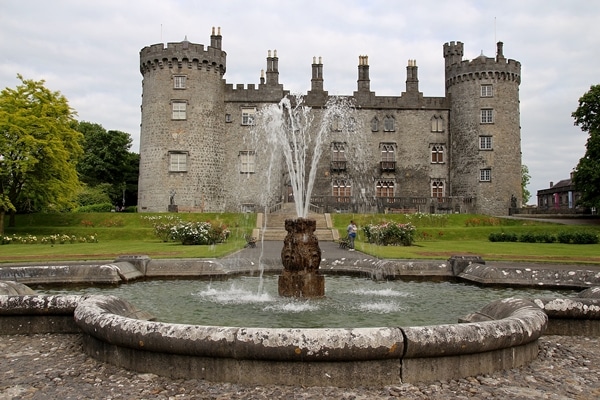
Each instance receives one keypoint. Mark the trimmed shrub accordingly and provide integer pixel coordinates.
(390, 234)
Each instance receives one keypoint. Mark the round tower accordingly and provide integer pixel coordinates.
(485, 131)
(181, 150)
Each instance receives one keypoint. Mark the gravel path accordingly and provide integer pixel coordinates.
(53, 366)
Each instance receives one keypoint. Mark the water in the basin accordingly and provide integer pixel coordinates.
(350, 302)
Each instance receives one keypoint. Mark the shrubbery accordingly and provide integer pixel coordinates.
(52, 239)
(579, 237)
(171, 228)
(390, 234)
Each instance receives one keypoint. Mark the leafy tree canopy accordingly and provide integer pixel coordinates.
(107, 160)
(39, 149)
(586, 176)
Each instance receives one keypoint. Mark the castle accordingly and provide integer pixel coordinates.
(457, 153)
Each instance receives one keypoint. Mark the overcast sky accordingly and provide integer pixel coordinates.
(89, 51)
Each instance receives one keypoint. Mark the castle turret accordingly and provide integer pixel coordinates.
(485, 133)
(181, 149)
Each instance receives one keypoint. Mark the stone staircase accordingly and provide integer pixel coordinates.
(275, 224)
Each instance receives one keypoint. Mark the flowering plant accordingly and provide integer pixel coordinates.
(390, 233)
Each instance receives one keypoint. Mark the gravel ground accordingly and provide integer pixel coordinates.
(53, 366)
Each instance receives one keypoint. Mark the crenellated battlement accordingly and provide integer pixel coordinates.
(181, 55)
(482, 67)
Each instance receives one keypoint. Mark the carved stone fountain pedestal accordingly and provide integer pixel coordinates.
(301, 257)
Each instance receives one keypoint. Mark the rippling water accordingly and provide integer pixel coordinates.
(350, 302)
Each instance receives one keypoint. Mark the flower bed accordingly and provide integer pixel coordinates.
(390, 234)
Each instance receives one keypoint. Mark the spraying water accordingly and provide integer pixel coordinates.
(299, 134)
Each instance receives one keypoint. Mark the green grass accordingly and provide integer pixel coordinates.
(118, 234)
(438, 237)
(459, 234)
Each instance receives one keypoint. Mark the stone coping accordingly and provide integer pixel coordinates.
(117, 332)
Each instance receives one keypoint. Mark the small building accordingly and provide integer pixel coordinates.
(559, 198)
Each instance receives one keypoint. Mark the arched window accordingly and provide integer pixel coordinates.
(342, 190)
(437, 188)
(384, 189)
(437, 154)
(389, 124)
(437, 123)
(375, 125)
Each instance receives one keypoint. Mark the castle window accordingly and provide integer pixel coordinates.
(437, 188)
(336, 124)
(179, 110)
(485, 175)
(247, 162)
(248, 115)
(487, 91)
(437, 124)
(437, 154)
(389, 124)
(228, 118)
(388, 157)
(177, 162)
(384, 189)
(485, 143)
(179, 81)
(338, 156)
(374, 125)
(342, 190)
(487, 116)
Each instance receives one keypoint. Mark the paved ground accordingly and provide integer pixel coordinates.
(55, 367)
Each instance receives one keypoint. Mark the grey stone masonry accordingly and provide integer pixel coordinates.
(457, 153)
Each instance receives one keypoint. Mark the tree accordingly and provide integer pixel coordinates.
(586, 176)
(39, 150)
(525, 179)
(107, 159)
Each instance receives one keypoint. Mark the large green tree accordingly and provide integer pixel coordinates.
(38, 149)
(107, 160)
(586, 176)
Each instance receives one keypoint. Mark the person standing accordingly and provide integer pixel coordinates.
(351, 235)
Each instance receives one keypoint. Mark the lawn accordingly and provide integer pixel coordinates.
(437, 237)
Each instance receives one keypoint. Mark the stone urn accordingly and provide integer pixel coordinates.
(301, 257)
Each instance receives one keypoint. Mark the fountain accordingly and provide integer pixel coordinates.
(291, 130)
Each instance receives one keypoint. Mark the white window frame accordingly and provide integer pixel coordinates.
(178, 161)
(178, 110)
(487, 116)
(486, 143)
(388, 151)
(247, 161)
(341, 189)
(179, 81)
(385, 187)
(436, 185)
(248, 115)
(437, 152)
(338, 151)
(487, 90)
(485, 175)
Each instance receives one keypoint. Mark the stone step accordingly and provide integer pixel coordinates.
(324, 235)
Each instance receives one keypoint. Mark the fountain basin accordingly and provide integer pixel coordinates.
(502, 335)
(316, 357)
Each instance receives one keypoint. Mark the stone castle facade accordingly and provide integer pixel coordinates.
(457, 153)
